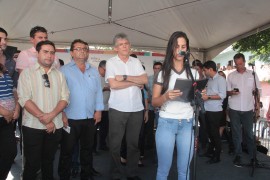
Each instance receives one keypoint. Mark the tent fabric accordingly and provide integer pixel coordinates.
(209, 24)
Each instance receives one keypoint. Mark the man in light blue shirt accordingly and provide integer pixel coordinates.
(215, 93)
(83, 112)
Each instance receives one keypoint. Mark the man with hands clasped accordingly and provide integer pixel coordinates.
(82, 113)
(43, 93)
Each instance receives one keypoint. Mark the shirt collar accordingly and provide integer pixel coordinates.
(241, 73)
(129, 58)
(87, 65)
(38, 67)
(215, 76)
(33, 49)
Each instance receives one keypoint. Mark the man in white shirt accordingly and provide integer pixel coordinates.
(240, 88)
(126, 77)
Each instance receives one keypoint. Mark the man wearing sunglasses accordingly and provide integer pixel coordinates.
(43, 94)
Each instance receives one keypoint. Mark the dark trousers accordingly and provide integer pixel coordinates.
(103, 129)
(123, 150)
(121, 122)
(8, 148)
(149, 130)
(212, 120)
(203, 137)
(242, 120)
(83, 131)
(39, 149)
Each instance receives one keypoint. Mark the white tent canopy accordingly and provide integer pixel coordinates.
(211, 25)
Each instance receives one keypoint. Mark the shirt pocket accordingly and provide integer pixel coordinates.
(250, 82)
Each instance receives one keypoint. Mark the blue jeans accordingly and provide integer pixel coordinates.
(239, 120)
(169, 132)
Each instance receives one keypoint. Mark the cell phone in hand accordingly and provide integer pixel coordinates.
(236, 89)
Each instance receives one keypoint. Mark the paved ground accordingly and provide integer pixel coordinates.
(222, 171)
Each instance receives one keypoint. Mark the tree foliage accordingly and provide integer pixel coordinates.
(258, 44)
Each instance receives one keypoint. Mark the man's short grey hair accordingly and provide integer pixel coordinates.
(119, 36)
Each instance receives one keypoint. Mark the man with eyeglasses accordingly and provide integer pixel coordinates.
(126, 77)
(43, 94)
(27, 58)
(83, 112)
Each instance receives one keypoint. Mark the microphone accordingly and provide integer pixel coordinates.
(182, 53)
(186, 55)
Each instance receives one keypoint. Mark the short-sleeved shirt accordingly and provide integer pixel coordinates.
(31, 87)
(172, 108)
(128, 99)
(244, 101)
(28, 58)
(215, 86)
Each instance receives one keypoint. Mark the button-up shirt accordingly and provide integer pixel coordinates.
(128, 99)
(31, 87)
(244, 101)
(85, 91)
(215, 86)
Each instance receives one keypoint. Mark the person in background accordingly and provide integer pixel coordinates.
(104, 124)
(153, 112)
(175, 121)
(9, 111)
(197, 64)
(240, 88)
(213, 98)
(224, 107)
(203, 137)
(27, 58)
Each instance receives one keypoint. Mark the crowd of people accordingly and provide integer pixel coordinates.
(55, 104)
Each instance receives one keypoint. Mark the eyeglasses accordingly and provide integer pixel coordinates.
(46, 80)
(81, 49)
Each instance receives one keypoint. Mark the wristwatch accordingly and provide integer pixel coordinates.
(124, 77)
(209, 97)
